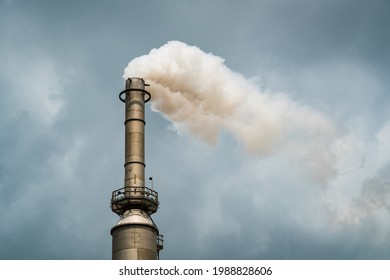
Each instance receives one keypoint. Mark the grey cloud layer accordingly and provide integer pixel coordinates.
(61, 129)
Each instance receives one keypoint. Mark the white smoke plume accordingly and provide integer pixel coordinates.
(361, 193)
(197, 92)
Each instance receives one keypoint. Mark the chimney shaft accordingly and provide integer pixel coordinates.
(135, 134)
(136, 236)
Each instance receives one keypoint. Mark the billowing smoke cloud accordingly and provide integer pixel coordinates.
(361, 193)
(198, 93)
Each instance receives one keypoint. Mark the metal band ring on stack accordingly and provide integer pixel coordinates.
(145, 92)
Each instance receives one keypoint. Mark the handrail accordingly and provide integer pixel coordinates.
(160, 242)
(122, 199)
(134, 192)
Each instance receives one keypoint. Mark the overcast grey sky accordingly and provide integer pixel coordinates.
(62, 134)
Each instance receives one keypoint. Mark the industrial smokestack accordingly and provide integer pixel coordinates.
(135, 236)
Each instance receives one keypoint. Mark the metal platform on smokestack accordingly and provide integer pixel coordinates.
(134, 198)
(135, 236)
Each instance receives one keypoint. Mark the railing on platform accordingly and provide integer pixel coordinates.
(134, 197)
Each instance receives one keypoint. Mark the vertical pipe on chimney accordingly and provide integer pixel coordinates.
(135, 135)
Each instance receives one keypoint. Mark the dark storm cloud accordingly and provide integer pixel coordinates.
(310, 31)
(61, 129)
